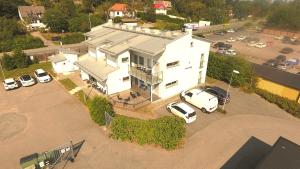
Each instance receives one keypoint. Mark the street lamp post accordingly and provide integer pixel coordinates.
(229, 85)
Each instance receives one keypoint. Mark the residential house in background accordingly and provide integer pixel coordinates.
(63, 61)
(167, 4)
(160, 9)
(161, 64)
(120, 10)
(31, 16)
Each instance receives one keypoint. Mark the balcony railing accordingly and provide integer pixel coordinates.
(145, 74)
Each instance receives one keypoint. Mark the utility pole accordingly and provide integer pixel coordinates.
(90, 21)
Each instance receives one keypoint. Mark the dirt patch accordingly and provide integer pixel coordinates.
(11, 124)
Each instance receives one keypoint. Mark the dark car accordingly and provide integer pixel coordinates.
(223, 98)
(281, 58)
(286, 50)
(219, 33)
(222, 45)
(271, 62)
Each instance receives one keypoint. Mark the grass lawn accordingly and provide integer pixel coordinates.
(29, 70)
(68, 84)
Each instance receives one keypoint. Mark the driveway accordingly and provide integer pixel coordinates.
(44, 116)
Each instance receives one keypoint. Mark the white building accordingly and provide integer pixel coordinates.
(161, 64)
(31, 16)
(119, 10)
(160, 9)
(63, 62)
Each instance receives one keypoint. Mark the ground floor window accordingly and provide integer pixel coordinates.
(171, 84)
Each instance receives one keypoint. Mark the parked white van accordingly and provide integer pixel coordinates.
(200, 99)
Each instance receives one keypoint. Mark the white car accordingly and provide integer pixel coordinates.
(252, 43)
(10, 83)
(260, 45)
(42, 76)
(182, 110)
(230, 40)
(200, 99)
(278, 37)
(241, 38)
(230, 31)
(230, 52)
(26, 80)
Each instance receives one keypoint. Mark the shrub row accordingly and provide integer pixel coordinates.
(17, 60)
(290, 106)
(72, 38)
(166, 132)
(220, 67)
(22, 42)
(97, 108)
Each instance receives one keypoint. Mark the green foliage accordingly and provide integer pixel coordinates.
(97, 107)
(68, 83)
(10, 28)
(56, 20)
(79, 23)
(221, 67)
(149, 16)
(117, 19)
(290, 106)
(166, 18)
(8, 62)
(68, 8)
(72, 38)
(285, 15)
(9, 8)
(96, 20)
(167, 26)
(242, 9)
(22, 42)
(166, 132)
(21, 59)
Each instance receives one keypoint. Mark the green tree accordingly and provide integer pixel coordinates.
(73, 38)
(9, 28)
(9, 8)
(8, 62)
(242, 9)
(56, 20)
(79, 24)
(97, 107)
(20, 58)
(68, 8)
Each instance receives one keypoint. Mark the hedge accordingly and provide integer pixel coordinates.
(97, 108)
(166, 132)
(73, 38)
(290, 106)
(220, 67)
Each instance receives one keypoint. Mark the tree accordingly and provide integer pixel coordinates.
(87, 6)
(68, 8)
(21, 59)
(79, 24)
(97, 107)
(9, 8)
(56, 20)
(8, 62)
(242, 9)
(9, 28)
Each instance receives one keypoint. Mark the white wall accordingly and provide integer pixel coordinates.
(113, 14)
(187, 72)
(161, 11)
(84, 75)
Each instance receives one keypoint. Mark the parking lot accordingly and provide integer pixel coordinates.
(259, 55)
(44, 116)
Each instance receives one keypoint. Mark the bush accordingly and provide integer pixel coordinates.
(73, 38)
(97, 107)
(166, 132)
(22, 42)
(8, 62)
(221, 67)
(149, 17)
(79, 24)
(290, 106)
(166, 26)
(117, 19)
(21, 59)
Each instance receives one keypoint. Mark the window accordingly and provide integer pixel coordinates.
(125, 78)
(171, 84)
(172, 64)
(125, 59)
(202, 61)
(141, 60)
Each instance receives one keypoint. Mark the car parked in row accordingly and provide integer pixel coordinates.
(42, 76)
(10, 84)
(286, 50)
(242, 37)
(221, 94)
(182, 110)
(26, 80)
(230, 52)
(230, 40)
(260, 45)
(201, 99)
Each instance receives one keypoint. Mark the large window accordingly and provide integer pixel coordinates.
(172, 64)
(171, 84)
(124, 60)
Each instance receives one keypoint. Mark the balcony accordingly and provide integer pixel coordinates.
(145, 74)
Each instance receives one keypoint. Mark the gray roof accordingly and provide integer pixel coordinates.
(117, 39)
(68, 51)
(31, 11)
(96, 68)
(278, 76)
(57, 58)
